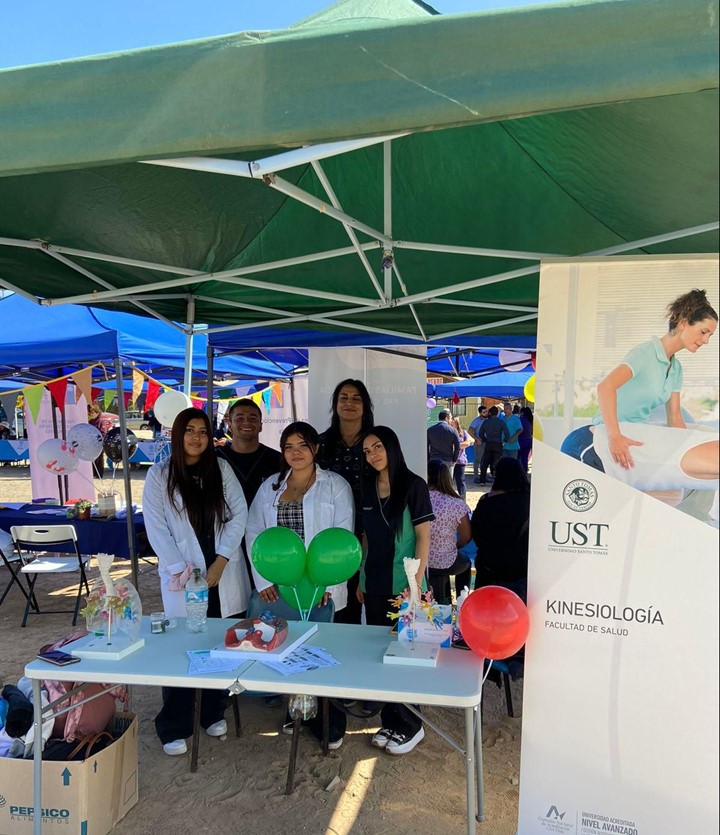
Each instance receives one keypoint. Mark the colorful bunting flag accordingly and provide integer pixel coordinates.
(137, 383)
(108, 398)
(83, 383)
(58, 389)
(266, 395)
(277, 391)
(126, 398)
(153, 392)
(33, 398)
(94, 394)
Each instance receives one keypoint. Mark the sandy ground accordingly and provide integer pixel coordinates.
(240, 782)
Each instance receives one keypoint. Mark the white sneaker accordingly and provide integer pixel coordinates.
(381, 738)
(404, 743)
(175, 748)
(217, 729)
(334, 744)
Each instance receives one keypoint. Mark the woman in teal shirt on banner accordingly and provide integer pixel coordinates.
(622, 442)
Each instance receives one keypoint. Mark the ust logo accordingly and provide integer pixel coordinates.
(555, 814)
(580, 495)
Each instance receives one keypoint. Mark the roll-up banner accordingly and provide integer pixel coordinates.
(620, 710)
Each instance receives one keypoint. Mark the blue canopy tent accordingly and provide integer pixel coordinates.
(501, 385)
(34, 336)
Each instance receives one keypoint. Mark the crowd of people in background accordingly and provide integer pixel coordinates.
(221, 488)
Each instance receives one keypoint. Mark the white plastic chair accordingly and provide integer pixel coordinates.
(30, 542)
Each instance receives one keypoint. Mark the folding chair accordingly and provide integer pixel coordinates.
(13, 564)
(30, 542)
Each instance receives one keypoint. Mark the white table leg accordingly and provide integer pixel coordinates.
(479, 765)
(37, 759)
(470, 768)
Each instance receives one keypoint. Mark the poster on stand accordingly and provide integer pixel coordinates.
(620, 700)
(44, 484)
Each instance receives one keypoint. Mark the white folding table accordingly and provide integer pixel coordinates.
(163, 662)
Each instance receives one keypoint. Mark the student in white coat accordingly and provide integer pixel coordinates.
(306, 499)
(195, 515)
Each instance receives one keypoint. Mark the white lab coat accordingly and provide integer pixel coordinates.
(327, 504)
(175, 544)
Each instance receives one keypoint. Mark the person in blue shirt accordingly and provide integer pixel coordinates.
(621, 441)
(511, 447)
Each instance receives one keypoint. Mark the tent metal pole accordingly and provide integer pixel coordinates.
(302, 196)
(488, 327)
(210, 386)
(189, 324)
(387, 262)
(476, 251)
(518, 308)
(232, 277)
(288, 159)
(101, 281)
(130, 521)
(320, 173)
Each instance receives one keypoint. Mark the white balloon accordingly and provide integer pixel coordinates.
(57, 457)
(86, 441)
(513, 360)
(169, 405)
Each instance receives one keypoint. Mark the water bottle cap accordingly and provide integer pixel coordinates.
(196, 572)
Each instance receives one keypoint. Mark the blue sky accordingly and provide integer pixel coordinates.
(36, 31)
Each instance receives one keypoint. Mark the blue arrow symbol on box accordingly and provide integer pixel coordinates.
(66, 774)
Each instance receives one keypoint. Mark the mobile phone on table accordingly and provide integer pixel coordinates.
(58, 657)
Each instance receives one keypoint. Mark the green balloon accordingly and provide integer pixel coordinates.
(333, 556)
(302, 595)
(278, 554)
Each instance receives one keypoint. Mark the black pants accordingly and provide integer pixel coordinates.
(491, 455)
(352, 613)
(175, 720)
(396, 717)
(439, 578)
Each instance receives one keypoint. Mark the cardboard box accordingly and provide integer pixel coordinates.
(80, 797)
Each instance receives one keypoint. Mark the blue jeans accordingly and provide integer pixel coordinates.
(578, 445)
(280, 608)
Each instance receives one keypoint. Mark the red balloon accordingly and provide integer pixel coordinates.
(494, 622)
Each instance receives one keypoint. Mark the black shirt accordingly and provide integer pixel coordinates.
(500, 530)
(349, 462)
(383, 567)
(252, 468)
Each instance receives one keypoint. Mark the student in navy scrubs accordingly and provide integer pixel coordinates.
(396, 516)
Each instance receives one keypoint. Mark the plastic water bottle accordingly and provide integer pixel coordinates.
(196, 602)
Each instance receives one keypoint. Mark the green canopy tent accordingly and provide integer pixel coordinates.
(375, 169)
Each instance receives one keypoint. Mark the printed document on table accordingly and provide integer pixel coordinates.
(305, 658)
(200, 663)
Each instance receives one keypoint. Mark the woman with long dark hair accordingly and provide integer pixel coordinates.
(341, 452)
(500, 527)
(449, 531)
(396, 514)
(195, 516)
(306, 499)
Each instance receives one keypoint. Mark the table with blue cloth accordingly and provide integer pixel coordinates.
(97, 535)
